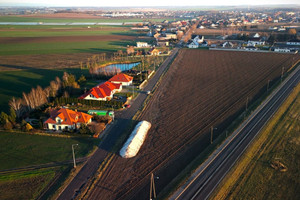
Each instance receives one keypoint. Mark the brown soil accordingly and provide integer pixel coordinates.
(63, 29)
(17, 62)
(201, 89)
(18, 40)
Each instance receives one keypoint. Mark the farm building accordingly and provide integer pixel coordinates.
(65, 119)
(103, 92)
(122, 79)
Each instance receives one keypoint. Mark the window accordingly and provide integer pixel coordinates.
(54, 127)
(59, 127)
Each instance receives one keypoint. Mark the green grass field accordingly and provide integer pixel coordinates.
(25, 185)
(63, 47)
(253, 177)
(20, 149)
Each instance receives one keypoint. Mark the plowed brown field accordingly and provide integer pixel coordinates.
(201, 89)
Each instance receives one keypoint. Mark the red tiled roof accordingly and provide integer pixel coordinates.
(68, 117)
(103, 90)
(121, 78)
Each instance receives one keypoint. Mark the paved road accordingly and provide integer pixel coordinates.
(119, 126)
(208, 176)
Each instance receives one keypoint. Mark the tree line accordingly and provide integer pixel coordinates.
(37, 97)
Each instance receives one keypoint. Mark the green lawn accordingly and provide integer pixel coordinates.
(13, 83)
(25, 185)
(20, 149)
(63, 47)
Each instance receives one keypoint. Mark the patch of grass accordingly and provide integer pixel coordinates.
(253, 177)
(25, 185)
(13, 83)
(62, 47)
(20, 149)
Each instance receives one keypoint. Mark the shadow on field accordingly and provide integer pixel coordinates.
(122, 43)
(15, 66)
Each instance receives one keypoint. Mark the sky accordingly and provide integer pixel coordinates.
(140, 3)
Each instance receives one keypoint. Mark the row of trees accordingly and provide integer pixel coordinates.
(39, 96)
(62, 101)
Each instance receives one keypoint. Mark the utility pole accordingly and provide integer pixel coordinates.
(268, 85)
(152, 186)
(132, 90)
(211, 134)
(282, 71)
(247, 104)
(74, 154)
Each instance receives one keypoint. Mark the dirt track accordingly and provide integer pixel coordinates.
(201, 89)
(18, 40)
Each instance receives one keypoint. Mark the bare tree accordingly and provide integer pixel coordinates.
(16, 104)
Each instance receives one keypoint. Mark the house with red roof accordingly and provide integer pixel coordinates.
(121, 78)
(66, 119)
(102, 92)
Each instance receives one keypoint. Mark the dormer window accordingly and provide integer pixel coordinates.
(58, 120)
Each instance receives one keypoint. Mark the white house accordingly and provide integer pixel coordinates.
(122, 79)
(142, 44)
(65, 119)
(193, 45)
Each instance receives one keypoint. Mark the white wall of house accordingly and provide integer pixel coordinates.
(123, 84)
(193, 45)
(142, 44)
(91, 97)
(59, 126)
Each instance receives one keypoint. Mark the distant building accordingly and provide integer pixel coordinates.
(142, 44)
(293, 42)
(251, 48)
(65, 119)
(283, 50)
(193, 45)
(154, 52)
(163, 43)
(227, 45)
(198, 38)
(255, 42)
